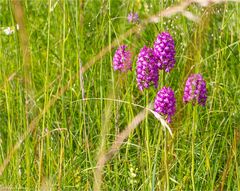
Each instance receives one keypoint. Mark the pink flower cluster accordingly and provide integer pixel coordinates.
(164, 50)
(195, 90)
(165, 103)
(122, 59)
(133, 17)
(147, 72)
(162, 58)
(149, 62)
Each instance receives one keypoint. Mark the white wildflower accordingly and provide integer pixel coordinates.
(8, 31)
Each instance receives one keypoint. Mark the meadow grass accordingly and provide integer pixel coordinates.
(63, 120)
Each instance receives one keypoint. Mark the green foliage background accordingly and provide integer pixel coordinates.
(61, 153)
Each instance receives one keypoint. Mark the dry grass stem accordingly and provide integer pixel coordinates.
(115, 147)
(24, 42)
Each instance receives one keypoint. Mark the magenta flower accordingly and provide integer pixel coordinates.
(164, 50)
(122, 59)
(165, 103)
(147, 70)
(195, 90)
(133, 17)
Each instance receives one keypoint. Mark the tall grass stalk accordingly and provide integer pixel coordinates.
(193, 132)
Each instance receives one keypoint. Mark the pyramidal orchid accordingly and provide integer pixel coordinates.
(122, 59)
(165, 103)
(147, 70)
(195, 90)
(164, 50)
